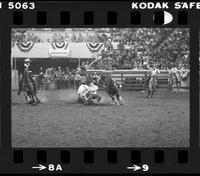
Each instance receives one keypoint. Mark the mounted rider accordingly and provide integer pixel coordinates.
(153, 72)
(175, 77)
(176, 72)
(26, 75)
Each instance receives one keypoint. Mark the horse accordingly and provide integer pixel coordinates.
(151, 86)
(27, 86)
(112, 89)
(174, 80)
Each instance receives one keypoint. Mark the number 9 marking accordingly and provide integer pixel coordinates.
(145, 167)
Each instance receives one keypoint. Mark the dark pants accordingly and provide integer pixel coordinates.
(147, 82)
(78, 82)
(71, 83)
(67, 84)
(94, 96)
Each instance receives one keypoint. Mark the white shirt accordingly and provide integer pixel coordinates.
(93, 89)
(82, 91)
(174, 69)
(155, 72)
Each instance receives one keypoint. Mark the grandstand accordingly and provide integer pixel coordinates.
(162, 45)
(101, 48)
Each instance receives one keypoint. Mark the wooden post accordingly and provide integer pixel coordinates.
(122, 78)
(15, 63)
(79, 62)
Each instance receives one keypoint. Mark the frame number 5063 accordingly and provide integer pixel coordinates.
(21, 5)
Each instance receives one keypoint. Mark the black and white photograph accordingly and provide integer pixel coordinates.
(100, 87)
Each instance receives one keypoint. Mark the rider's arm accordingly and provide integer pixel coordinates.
(158, 70)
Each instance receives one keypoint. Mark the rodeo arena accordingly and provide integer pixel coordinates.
(100, 87)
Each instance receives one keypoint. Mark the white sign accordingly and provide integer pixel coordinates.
(59, 53)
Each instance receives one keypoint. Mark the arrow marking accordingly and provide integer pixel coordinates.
(40, 167)
(134, 167)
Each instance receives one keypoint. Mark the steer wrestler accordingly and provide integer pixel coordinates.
(93, 92)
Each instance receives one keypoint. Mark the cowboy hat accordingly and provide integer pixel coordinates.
(27, 60)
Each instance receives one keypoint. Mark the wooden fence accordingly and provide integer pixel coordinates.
(134, 79)
(129, 79)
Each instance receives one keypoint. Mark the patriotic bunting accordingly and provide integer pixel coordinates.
(25, 46)
(60, 45)
(94, 47)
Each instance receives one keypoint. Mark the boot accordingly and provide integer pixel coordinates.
(98, 98)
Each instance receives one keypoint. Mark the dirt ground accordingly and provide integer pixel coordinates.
(60, 121)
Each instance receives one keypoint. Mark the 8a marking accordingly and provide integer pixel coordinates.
(53, 167)
(50, 167)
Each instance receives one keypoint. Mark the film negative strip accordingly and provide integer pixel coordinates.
(99, 87)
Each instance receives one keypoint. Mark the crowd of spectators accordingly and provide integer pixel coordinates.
(56, 78)
(75, 37)
(147, 46)
(21, 35)
(53, 78)
(136, 47)
(175, 49)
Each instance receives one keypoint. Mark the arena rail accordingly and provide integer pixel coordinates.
(129, 79)
(129, 71)
(134, 79)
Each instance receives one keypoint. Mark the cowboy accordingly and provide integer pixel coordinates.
(27, 71)
(83, 90)
(154, 72)
(40, 78)
(96, 78)
(83, 78)
(27, 67)
(77, 79)
(175, 70)
(93, 91)
(147, 74)
(27, 63)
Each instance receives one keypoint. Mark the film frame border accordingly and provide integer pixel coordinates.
(189, 156)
